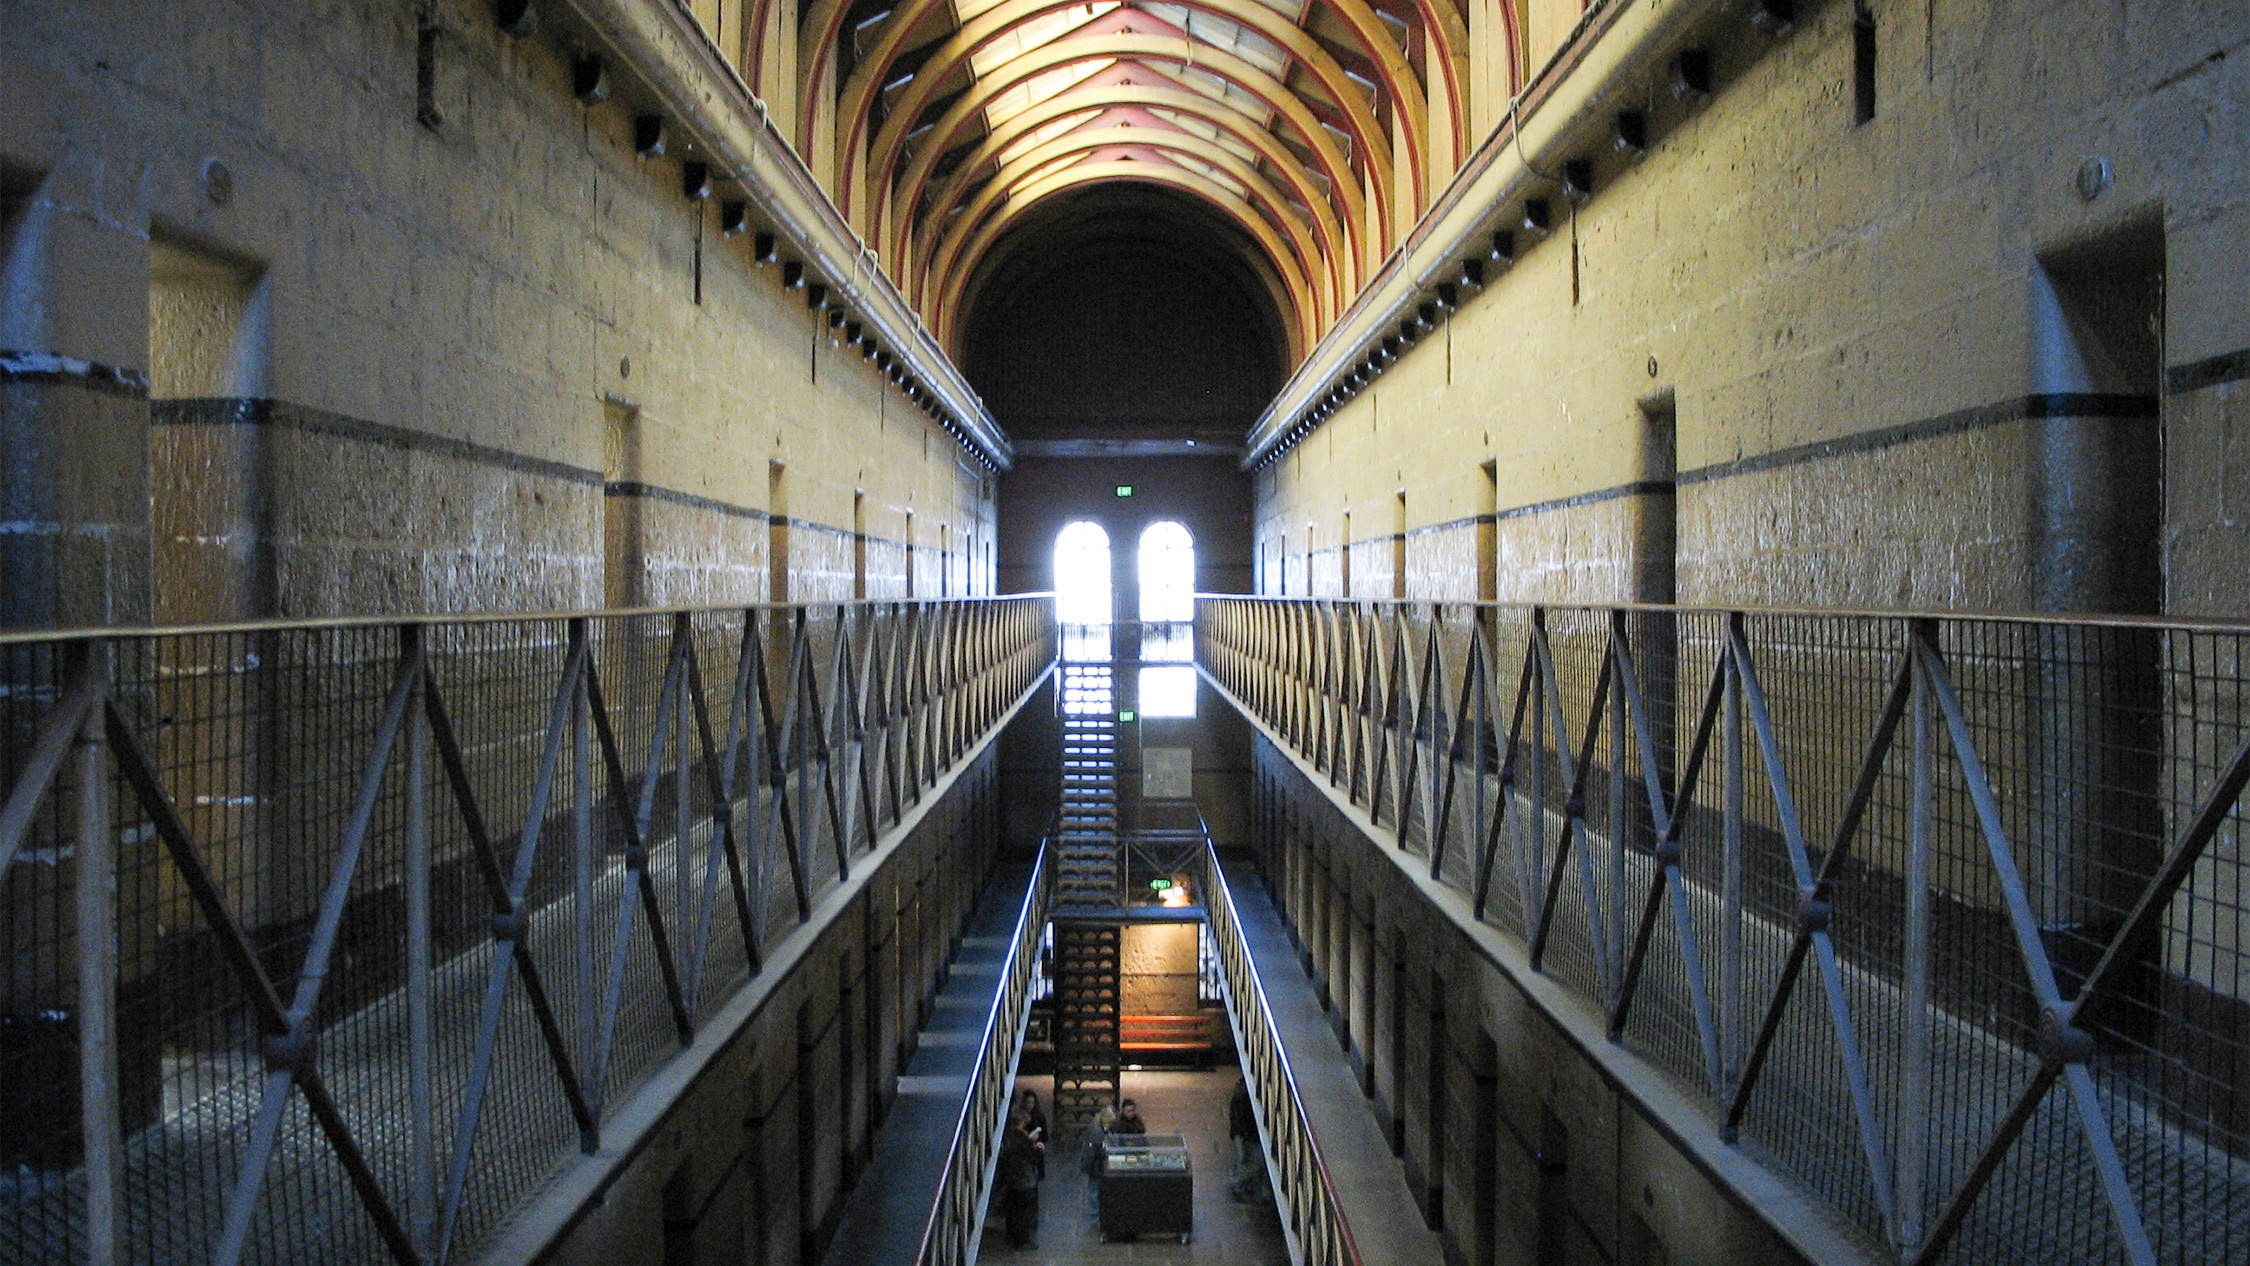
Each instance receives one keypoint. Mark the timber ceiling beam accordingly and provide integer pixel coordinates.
(945, 313)
(1089, 100)
(1165, 50)
(1327, 157)
(1396, 78)
(1313, 247)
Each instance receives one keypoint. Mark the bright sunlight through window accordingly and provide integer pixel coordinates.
(1082, 592)
(1167, 574)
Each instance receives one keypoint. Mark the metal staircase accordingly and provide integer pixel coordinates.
(1087, 981)
(1089, 858)
(1090, 864)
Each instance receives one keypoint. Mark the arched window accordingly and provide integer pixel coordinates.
(1167, 573)
(1167, 576)
(1083, 605)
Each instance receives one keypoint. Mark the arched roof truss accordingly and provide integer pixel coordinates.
(1320, 127)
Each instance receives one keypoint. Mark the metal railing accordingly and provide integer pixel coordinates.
(949, 1235)
(1948, 917)
(331, 941)
(1312, 1215)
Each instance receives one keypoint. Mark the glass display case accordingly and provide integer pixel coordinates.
(1147, 1186)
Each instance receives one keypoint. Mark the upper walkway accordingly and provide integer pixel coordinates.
(1385, 1222)
(1921, 934)
(886, 1212)
(363, 940)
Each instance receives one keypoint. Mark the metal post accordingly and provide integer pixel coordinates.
(683, 739)
(96, 916)
(1914, 1092)
(1731, 984)
(1620, 939)
(421, 1063)
(1484, 722)
(582, 863)
(1532, 866)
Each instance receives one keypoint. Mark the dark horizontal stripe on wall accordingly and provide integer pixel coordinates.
(69, 371)
(658, 492)
(2043, 406)
(254, 411)
(1452, 525)
(2211, 371)
(2021, 409)
(1637, 488)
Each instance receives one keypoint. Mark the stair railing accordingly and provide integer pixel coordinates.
(950, 1233)
(1312, 1216)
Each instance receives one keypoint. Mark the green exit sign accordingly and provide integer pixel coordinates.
(1159, 884)
(1127, 715)
(1124, 490)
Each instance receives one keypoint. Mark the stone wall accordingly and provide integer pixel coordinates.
(1902, 362)
(285, 332)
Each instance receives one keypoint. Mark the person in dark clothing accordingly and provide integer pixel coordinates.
(1027, 1103)
(1019, 1182)
(1247, 1180)
(1128, 1119)
(1093, 1161)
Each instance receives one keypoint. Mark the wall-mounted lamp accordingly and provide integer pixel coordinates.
(792, 275)
(734, 216)
(1691, 75)
(1774, 17)
(589, 79)
(1629, 134)
(764, 250)
(695, 181)
(648, 135)
(1538, 217)
(1578, 180)
(515, 18)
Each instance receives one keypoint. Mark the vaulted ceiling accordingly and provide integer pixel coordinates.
(1318, 128)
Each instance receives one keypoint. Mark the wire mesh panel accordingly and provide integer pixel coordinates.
(331, 942)
(1943, 916)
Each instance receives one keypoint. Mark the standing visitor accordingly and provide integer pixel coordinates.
(1019, 1182)
(1247, 1181)
(1129, 1119)
(1093, 1163)
(1028, 1104)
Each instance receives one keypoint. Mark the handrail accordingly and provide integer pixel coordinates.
(949, 1234)
(1317, 1229)
(1922, 906)
(2183, 623)
(25, 635)
(300, 852)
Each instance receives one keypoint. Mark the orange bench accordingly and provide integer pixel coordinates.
(1166, 1032)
